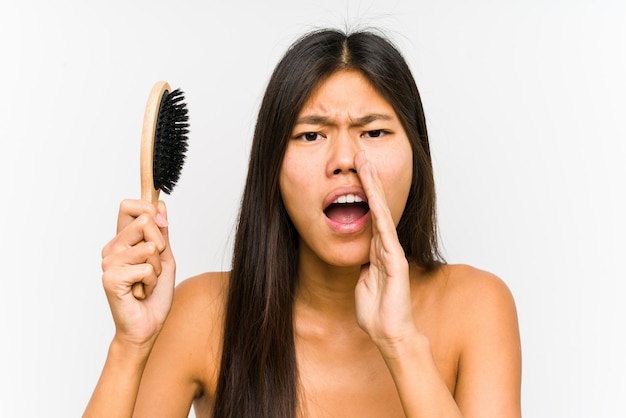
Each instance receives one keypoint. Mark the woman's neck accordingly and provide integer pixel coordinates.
(327, 291)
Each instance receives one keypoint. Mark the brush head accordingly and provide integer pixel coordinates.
(170, 140)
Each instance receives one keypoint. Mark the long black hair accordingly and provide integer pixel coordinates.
(258, 373)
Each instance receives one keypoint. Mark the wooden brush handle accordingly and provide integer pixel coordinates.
(148, 192)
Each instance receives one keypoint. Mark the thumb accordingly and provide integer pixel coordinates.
(161, 216)
(162, 222)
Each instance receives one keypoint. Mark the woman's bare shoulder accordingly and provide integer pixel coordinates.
(473, 285)
(206, 288)
(199, 303)
(199, 306)
(482, 301)
(466, 297)
(198, 311)
(469, 297)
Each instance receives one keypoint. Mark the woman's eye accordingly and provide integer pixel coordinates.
(376, 133)
(309, 136)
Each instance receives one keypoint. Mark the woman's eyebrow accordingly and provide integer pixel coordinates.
(325, 120)
(364, 120)
(314, 120)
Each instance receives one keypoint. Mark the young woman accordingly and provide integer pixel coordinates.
(338, 303)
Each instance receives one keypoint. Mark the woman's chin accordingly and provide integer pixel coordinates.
(347, 261)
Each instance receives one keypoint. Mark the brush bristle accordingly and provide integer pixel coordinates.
(170, 142)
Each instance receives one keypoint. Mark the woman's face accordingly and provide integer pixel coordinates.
(319, 184)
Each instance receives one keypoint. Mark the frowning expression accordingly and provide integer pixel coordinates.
(319, 183)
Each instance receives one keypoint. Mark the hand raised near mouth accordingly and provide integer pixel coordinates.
(383, 296)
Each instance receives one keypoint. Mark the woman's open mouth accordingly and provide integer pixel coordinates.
(347, 211)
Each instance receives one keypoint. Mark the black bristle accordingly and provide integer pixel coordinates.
(170, 142)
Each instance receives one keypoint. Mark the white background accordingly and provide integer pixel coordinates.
(526, 106)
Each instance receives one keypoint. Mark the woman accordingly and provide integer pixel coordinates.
(338, 303)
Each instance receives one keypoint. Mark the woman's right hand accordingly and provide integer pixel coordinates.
(140, 252)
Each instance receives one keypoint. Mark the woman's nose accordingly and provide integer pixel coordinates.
(342, 150)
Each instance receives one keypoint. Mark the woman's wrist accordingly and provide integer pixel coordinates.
(412, 347)
(420, 386)
(127, 351)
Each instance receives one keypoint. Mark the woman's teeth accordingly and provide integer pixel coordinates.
(348, 198)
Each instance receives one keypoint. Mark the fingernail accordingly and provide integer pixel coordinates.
(161, 220)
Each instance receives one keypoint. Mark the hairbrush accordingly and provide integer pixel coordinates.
(163, 147)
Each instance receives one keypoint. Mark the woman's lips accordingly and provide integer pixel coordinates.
(346, 210)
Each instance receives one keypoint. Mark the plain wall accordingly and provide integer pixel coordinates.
(526, 106)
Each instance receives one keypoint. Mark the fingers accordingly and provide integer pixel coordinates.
(132, 209)
(138, 221)
(118, 279)
(138, 251)
(162, 223)
(145, 252)
(382, 220)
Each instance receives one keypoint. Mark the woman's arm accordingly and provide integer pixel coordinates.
(179, 363)
(422, 390)
(116, 391)
(385, 311)
(140, 252)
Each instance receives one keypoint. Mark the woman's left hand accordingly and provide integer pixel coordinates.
(383, 294)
